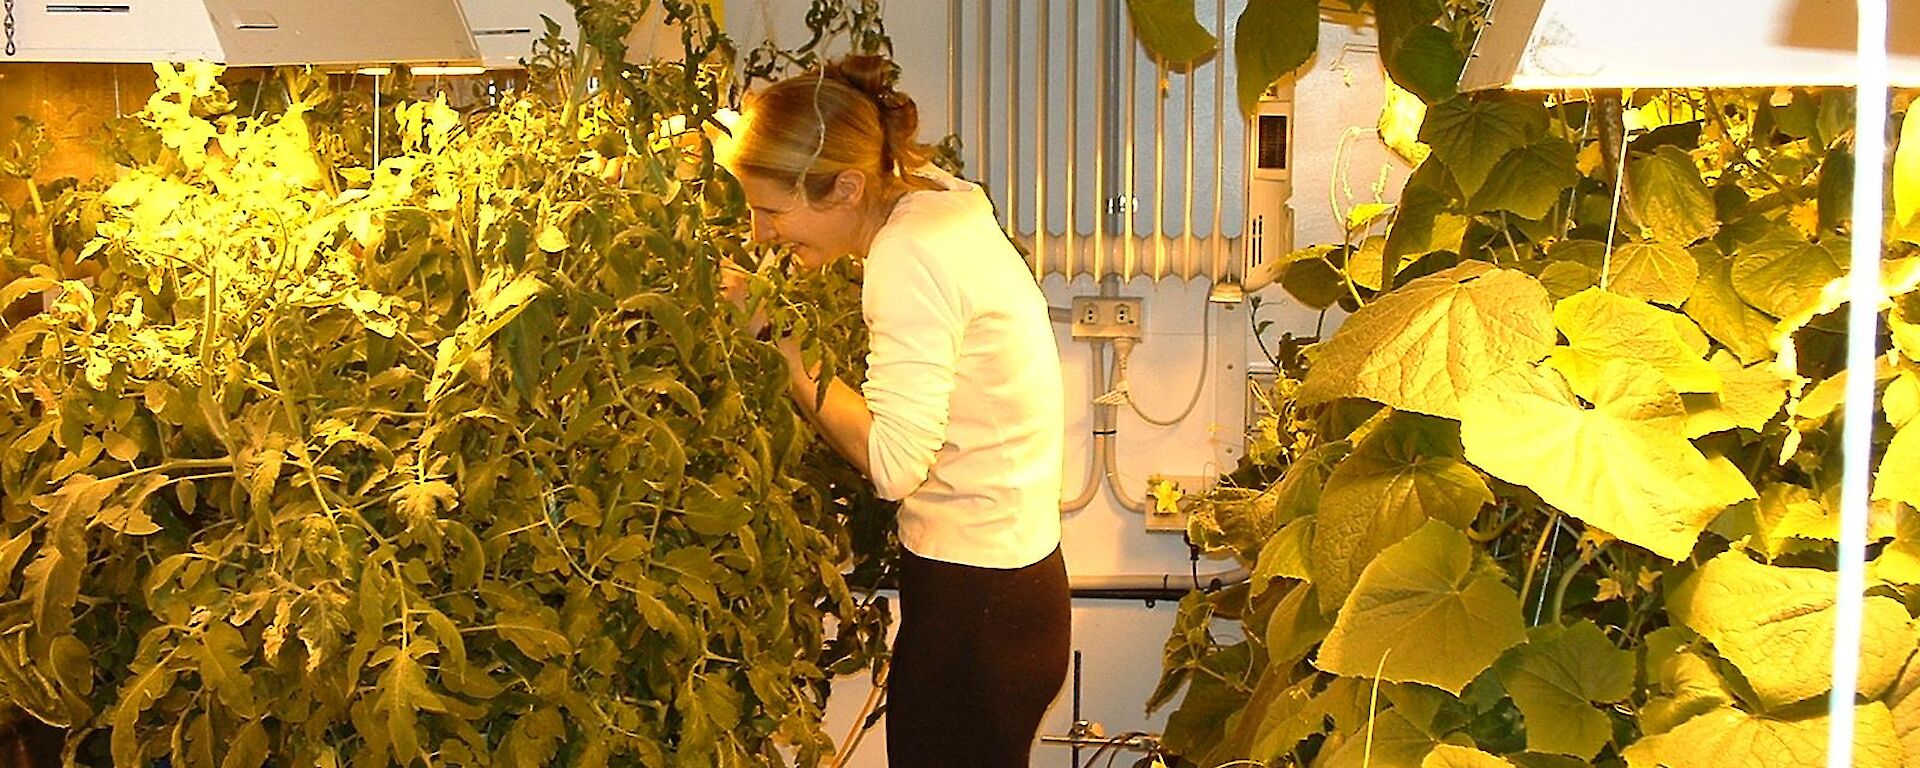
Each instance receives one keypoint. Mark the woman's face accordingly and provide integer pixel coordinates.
(818, 231)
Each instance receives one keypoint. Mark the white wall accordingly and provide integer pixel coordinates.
(1121, 642)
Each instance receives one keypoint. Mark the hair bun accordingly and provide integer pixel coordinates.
(873, 76)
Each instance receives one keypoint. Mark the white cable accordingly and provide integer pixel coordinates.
(1863, 311)
(1199, 386)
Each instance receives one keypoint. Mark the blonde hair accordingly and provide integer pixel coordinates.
(808, 129)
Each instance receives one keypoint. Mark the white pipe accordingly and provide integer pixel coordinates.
(1870, 154)
(1091, 486)
(1168, 581)
(983, 83)
(1013, 130)
(1221, 111)
(956, 33)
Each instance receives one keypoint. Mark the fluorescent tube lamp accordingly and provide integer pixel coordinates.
(374, 71)
(1574, 44)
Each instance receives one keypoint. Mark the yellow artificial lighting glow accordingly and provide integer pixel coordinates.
(450, 71)
(374, 71)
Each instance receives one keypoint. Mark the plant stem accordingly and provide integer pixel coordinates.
(1539, 550)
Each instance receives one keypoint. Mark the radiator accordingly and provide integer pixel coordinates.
(1100, 161)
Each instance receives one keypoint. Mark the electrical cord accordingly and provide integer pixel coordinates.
(1123, 348)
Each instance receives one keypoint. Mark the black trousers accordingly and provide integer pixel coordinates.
(980, 655)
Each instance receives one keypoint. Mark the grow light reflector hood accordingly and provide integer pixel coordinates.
(246, 33)
(507, 29)
(1552, 44)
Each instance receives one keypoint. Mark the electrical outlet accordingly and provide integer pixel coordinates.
(1107, 317)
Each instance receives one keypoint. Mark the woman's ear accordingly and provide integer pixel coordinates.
(849, 187)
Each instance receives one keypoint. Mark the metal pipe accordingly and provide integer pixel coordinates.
(1013, 130)
(1159, 170)
(1221, 112)
(1131, 125)
(984, 81)
(1069, 233)
(1041, 67)
(956, 32)
(1186, 184)
(1167, 585)
(1103, 85)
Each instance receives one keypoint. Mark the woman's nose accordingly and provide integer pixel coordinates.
(763, 231)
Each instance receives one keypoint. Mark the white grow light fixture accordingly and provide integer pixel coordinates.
(245, 33)
(1573, 44)
(506, 30)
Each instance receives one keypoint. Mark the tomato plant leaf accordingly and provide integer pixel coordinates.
(1418, 348)
(1421, 613)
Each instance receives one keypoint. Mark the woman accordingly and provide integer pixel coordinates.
(960, 415)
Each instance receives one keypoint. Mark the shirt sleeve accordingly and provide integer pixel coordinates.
(915, 323)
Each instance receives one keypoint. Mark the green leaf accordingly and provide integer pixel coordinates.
(1720, 311)
(1776, 625)
(1566, 278)
(1271, 39)
(1895, 479)
(1530, 180)
(1169, 29)
(1622, 466)
(1906, 178)
(1685, 677)
(1450, 756)
(1296, 626)
(1604, 327)
(1654, 271)
(1385, 740)
(1279, 714)
(1834, 192)
(403, 696)
(249, 747)
(1784, 512)
(1422, 613)
(1426, 221)
(1904, 700)
(534, 634)
(1783, 276)
(1404, 473)
(1426, 62)
(1471, 133)
(1284, 556)
(1399, 124)
(1418, 348)
(223, 655)
(1558, 677)
(1728, 736)
(1749, 398)
(1665, 194)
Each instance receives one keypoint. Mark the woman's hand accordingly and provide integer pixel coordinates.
(735, 285)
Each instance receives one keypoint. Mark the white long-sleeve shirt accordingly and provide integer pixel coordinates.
(963, 380)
